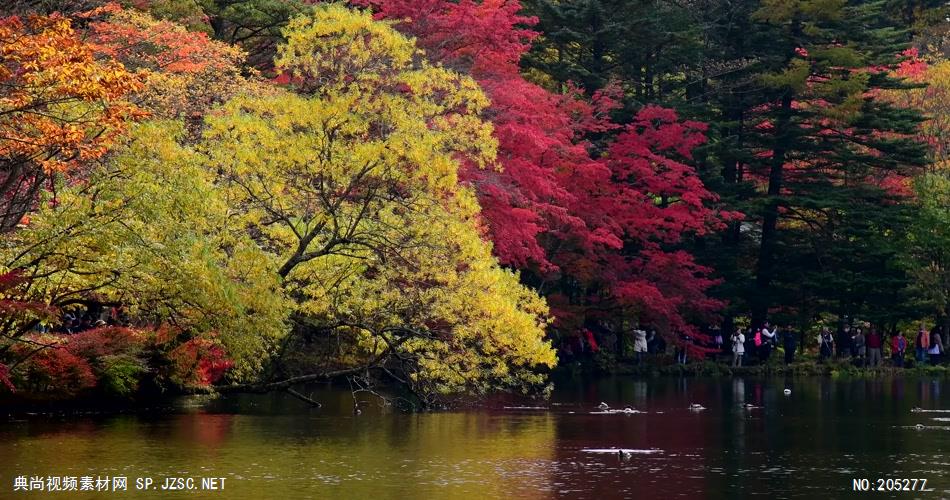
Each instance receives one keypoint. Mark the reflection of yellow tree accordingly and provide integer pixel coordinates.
(458, 455)
(447, 455)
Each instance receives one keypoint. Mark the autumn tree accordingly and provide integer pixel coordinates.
(59, 107)
(148, 231)
(928, 239)
(47, 7)
(926, 236)
(571, 220)
(184, 73)
(253, 25)
(352, 185)
(19, 317)
(331, 210)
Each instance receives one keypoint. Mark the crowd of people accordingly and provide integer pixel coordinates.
(93, 317)
(860, 343)
(864, 346)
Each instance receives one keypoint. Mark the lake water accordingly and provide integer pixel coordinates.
(810, 443)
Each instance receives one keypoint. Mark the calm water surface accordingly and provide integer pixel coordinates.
(808, 444)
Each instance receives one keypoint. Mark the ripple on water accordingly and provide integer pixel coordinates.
(922, 427)
(630, 451)
(625, 411)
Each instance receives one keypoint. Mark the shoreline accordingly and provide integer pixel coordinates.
(666, 367)
(98, 405)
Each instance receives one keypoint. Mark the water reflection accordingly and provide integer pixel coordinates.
(810, 442)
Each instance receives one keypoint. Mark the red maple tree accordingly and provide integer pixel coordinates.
(597, 234)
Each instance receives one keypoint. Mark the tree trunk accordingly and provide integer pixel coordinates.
(764, 272)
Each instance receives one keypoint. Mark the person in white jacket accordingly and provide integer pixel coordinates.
(768, 340)
(738, 347)
(640, 344)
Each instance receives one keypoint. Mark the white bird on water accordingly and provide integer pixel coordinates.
(696, 407)
(603, 406)
(787, 392)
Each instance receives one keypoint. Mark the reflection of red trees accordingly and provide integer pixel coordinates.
(681, 436)
(209, 431)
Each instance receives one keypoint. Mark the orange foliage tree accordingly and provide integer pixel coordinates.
(59, 106)
(185, 73)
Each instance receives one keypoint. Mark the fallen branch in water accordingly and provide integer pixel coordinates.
(280, 385)
(303, 398)
(263, 387)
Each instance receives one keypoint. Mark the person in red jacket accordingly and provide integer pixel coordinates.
(898, 346)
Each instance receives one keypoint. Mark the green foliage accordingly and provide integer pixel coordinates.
(120, 374)
(928, 254)
(255, 25)
(802, 140)
(149, 230)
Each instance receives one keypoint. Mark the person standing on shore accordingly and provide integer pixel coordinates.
(681, 349)
(874, 348)
(788, 342)
(843, 341)
(922, 345)
(898, 346)
(857, 346)
(768, 339)
(936, 347)
(717, 339)
(826, 344)
(738, 347)
(640, 344)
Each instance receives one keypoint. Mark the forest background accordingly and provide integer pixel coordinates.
(444, 196)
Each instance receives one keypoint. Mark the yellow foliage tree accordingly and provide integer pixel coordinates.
(334, 214)
(354, 188)
(928, 238)
(149, 230)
